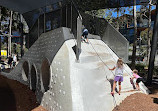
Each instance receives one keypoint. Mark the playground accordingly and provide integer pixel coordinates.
(70, 56)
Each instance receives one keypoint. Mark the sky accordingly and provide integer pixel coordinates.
(114, 14)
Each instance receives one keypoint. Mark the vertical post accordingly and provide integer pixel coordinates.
(149, 26)
(66, 15)
(38, 27)
(10, 31)
(0, 31)
(135, 36)
(118, 18)
(60, 4)
(71, 18)
(79, 32)
(44, 22)
(21, 30)
(153, 49)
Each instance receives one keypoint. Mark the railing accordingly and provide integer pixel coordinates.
(113, 38)
(67, 15)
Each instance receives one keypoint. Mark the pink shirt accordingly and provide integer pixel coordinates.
(136, 76)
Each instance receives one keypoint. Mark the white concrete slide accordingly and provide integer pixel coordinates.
(90, 78)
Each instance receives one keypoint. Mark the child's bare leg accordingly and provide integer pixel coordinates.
(137, 85)
(119, 88)
(114, 86)
(87, 39)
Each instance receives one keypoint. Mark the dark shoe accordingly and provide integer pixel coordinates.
(112, 93)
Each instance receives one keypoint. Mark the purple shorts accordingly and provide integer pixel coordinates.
(118, 78)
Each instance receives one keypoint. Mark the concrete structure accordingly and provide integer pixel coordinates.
(63, 84)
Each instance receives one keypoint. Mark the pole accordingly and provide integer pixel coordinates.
(21, 30)
(118, 18)
(135, 36)
(10, 31)
(38, 28)
(66, 15)
(44, 22)
(153, 49)
(71, 17)
(0, 32)
(79, 32)
(149, 26)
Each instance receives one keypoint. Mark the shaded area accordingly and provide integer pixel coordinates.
(25, 68)
(45, 74)
(111, 81)
(155, 100)
(33, 78)
(154, 86)
(15, 96)
(7, 70)
(102, 4)
(7, 101)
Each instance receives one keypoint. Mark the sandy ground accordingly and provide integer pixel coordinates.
(139, 102)
(15, 96)
(39, 108)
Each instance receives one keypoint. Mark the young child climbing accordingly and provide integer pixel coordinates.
(137, 77)
(118, 75)
(84, 35)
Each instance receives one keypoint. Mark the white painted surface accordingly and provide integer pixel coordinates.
(85, 81)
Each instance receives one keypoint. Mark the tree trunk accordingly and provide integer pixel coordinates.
(117, 19)
(149, 26)
(0, 32)
(153, 49)
(135, 36)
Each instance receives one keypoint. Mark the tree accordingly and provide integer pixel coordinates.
(149, 26)
(5, 21)
(153, 49)
(135, 36)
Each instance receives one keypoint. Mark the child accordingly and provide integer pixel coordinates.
(14, 60)
(10, 59)
(137, 77)
(118, 75)
(84, 35)
(2, 66)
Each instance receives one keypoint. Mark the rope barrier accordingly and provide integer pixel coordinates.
(108, 68)
(114, 99)
(125, 70)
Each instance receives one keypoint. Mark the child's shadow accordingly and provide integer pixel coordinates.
(111, 83)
